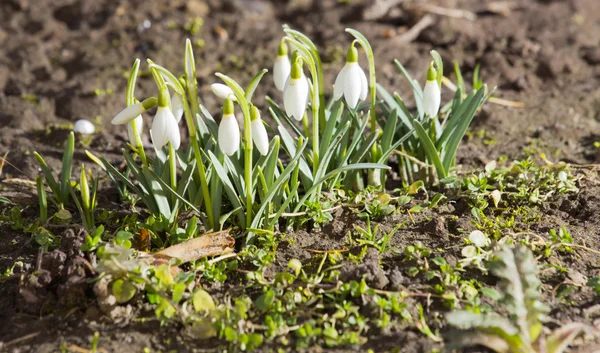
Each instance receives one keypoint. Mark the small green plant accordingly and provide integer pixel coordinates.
(521, 330)
(370, 236)
(429, 153)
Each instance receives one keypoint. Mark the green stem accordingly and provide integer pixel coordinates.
(172, 168)
(138, 143)
(199, 162)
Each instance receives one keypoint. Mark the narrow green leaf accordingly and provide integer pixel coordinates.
(431, 151)
(157, 192)
(236, 201)
(67, 167)
(254, 83)
(335, 172)
(417, 90)
(48, 175)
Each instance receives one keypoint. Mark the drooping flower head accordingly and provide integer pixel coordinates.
(229, 130)
(133, 111)
(164, 126)
(282, 66)
(432, 94)
(351, 82)
(222, 91)
(259, 132)
(295, 93)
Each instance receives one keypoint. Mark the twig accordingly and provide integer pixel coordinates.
(20, 339)
(414, 31)
(442, 11)
(420, 163)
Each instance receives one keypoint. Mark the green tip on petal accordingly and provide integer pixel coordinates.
(163, 98)
(352, 54)
(431, 73)
(254, 112)
(296, 69)
(149, 103)
(228, 106)
(283, 48)
(295, 56)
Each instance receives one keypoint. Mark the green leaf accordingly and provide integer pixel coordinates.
(48, 176)
(417, 90)
(276, 187)
(177, 195)
(335, 172)
(202, 301)
(254, 83)
(461, 129)
(67, 167)
(157, 192)
(237, 202)
(431, 151)
(123, 290)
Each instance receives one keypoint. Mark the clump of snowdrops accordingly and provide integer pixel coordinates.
(251, 178)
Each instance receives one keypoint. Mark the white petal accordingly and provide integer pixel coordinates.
(177, 107)
(338, 87)
(432, 97)
(281, 71)
(229, 135)
(84, 127)
(259, 136)
(173, 134)
(295, 97)
(352, 84)
(222, 91)
(160, 127)
(364, 85)
(128, 114)
(139, 123)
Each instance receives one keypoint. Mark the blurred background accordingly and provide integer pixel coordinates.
(64, 60)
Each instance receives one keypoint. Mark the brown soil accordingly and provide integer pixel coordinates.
(57, 53)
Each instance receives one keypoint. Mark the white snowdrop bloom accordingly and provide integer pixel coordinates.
(479, 239)
(165, 129)
(84, 127)
(222, 91)
(259, 132)
(229, 130)
(282, 67)
(133, 111)
(295, 92)
(139, 123)
(432, 95)
(351, 82)
(177, 107)
(496, 196)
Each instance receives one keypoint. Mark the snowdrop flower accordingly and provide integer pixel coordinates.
(164, 126)
(295, 92)
(139, 123)
(229, 130)
(259, 133)
(133, 111)
(479, 239)
(351, 82)
(176, 107)
(281, 67)
(432, 94)
(84, 127)
(222, 91)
